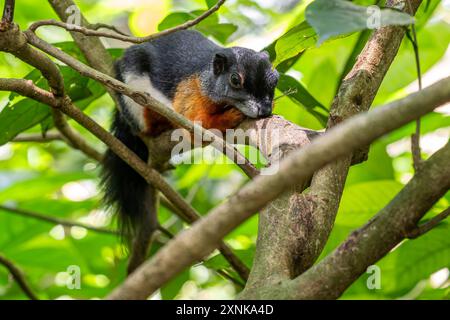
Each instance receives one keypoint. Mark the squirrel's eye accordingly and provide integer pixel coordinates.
(235, 80)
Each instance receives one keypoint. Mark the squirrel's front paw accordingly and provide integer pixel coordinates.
(234, 116)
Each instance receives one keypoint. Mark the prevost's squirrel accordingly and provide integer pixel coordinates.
(215, 86)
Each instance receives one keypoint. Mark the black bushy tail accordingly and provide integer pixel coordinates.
(132, 197)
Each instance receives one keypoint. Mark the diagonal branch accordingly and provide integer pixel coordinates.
(92, 31)
(19, 277)
(202, 238)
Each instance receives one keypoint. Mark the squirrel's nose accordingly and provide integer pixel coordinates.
(265, 112)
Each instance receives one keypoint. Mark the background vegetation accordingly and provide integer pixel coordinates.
(55, 180)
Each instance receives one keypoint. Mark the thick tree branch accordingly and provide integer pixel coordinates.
(365, 246)
(295, 238)
(91, 30)
(15, 42)
(19, 277)
(202, 238)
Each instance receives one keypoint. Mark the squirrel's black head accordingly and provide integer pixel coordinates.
(242, 78)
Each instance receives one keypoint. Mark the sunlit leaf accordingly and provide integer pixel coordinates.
(331, 18)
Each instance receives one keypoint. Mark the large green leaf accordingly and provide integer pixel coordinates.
(415, 260)
(408, 264)
(362, 200)
(331, 18)
(377, 167)
(295, 41)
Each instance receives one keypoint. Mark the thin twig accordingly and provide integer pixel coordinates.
(96, 26)
(69, 223)
(19, 277)
(119, 35)
(415, 138)
(427, 226)
(38, 137)
(54, 220)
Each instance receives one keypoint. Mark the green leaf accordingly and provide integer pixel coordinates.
(415, 260)
(18, 117)
(378, 167)
(331, 18)
(174, 19)
(221, 31)
(362, 200)
(209, 26)
(300, 95)
(211, 3)
(295, 41)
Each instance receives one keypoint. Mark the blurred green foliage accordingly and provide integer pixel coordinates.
(55, 180)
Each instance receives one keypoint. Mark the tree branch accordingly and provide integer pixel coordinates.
(8, 14)
(365, 246)
(202, 237)
(19, 277)
(54, 220)
(415, 138)
(39, 137)
(428, 225)
(295, 238)
(91, 30)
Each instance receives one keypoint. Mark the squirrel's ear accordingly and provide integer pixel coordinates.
(264, 54)
(219, 63)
